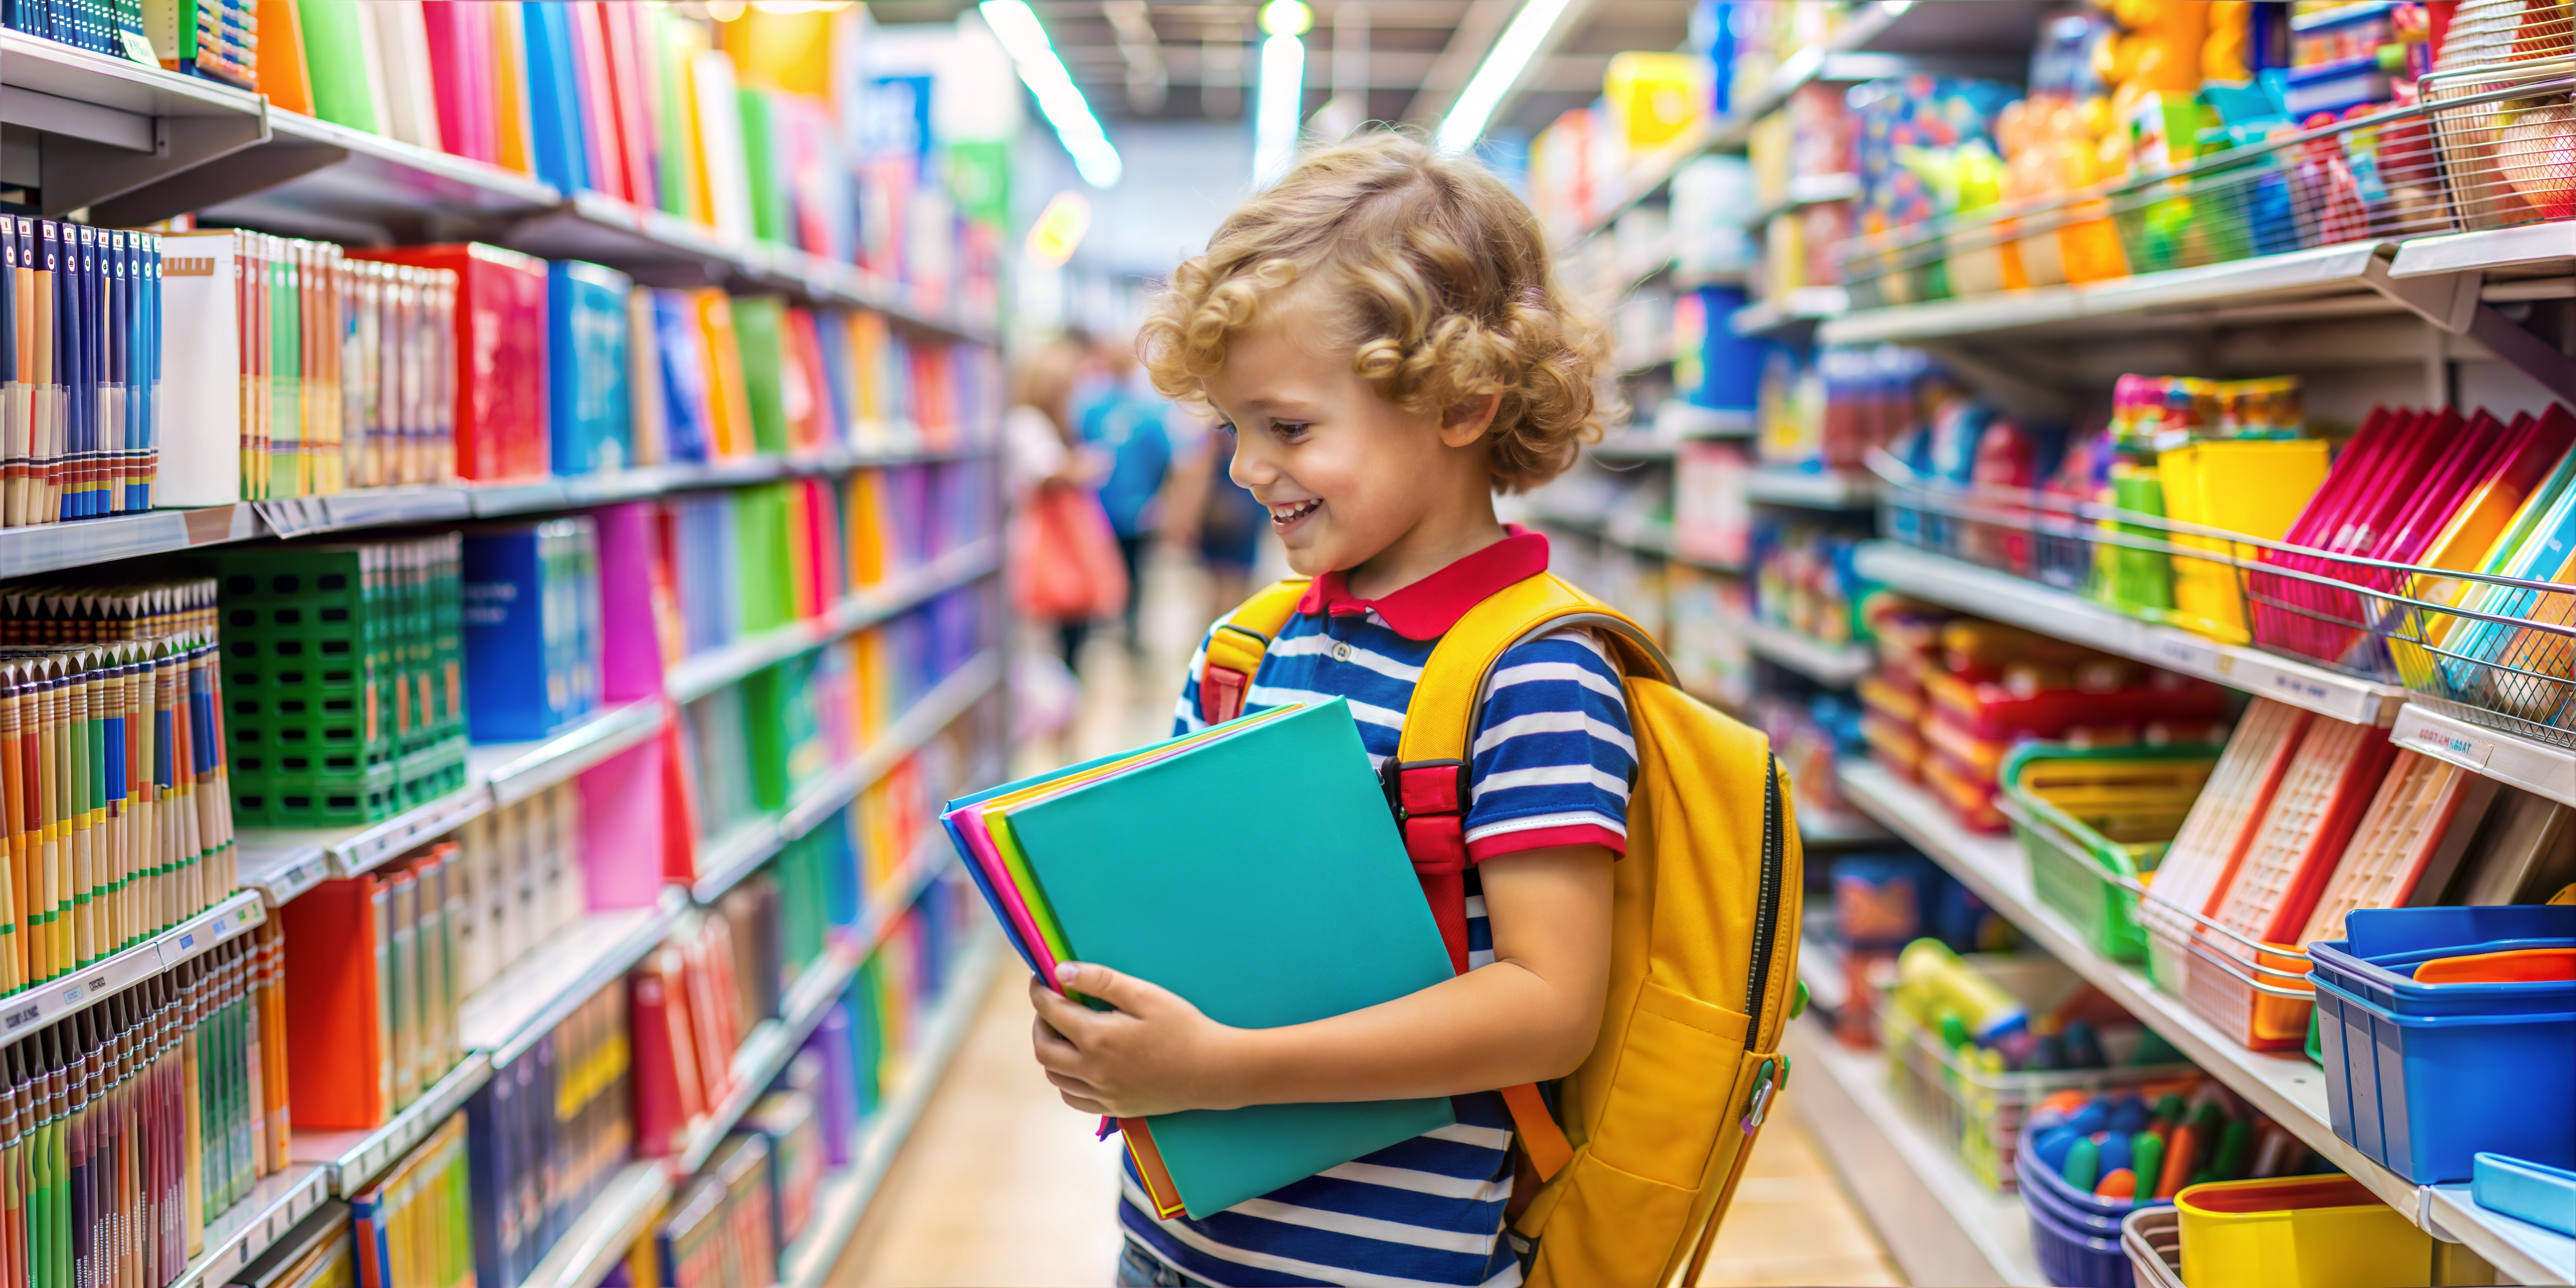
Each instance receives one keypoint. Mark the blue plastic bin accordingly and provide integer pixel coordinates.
(2422, 1094)
(2076, 1236)
(2389, 981)
(2070, 1255)
(2525, 1190)
(2375, 933)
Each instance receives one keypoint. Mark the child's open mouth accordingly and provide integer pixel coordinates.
(1286, 516)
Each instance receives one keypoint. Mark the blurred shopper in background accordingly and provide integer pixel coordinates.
(1212, 516)
(1066, 567)
(1119, 417)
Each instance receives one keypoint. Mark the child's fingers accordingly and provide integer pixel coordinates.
(1101, 982)
(1085, 1104)
(1045, 1039)
(1067, 1018)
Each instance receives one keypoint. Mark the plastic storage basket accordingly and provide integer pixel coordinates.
(2075, 1235)
(2255, 993)
(2298, 1232)
(2421, 1094)
(2092, 821)
(2152, 1238)
(1980, 1112)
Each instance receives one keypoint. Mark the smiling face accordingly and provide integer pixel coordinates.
(1353, 481)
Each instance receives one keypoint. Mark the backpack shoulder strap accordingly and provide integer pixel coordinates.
(1432, 766)
(1237, 644)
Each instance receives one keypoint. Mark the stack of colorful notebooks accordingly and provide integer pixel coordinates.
(1165, 864)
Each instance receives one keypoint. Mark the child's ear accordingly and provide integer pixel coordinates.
(1461, 424)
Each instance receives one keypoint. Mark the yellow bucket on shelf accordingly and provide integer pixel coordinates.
(2298, 1232)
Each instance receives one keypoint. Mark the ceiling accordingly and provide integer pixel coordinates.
(1147, 60)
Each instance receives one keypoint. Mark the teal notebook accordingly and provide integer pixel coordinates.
(1261, 878)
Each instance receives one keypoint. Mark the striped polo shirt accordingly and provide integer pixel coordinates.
(1551, 766)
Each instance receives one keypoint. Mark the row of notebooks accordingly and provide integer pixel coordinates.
(128, 1127)
(305, 369)
(1106, 862)
(82, 363)
(546, 1134)
(345, 677)
(532, 627)
(2306, 818)
(309, 368)
(751, 749)
(118, 824)
(413, 1227)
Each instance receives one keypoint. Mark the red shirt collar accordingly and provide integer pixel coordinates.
(1428, 608)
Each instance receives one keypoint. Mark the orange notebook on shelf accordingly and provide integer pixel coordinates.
(340, 1071)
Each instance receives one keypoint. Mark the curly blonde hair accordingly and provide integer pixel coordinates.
(1428, 268)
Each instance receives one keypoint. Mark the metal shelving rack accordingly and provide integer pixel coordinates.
(126, 144)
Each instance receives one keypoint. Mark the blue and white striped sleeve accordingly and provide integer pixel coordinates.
(1185, 713)
(1554, 754)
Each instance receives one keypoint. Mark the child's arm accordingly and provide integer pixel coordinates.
(1531, 1015)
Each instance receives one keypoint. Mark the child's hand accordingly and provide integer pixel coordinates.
(1155, 1054)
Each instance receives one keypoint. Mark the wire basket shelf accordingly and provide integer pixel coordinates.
(2507, 136)
(2372, 178)
(2492, 650)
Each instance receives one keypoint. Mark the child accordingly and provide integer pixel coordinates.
(1383, 338)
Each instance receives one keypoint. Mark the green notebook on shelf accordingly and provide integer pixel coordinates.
(1259, 876)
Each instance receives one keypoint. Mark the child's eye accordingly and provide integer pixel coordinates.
(1290, 430)
(1226, 428)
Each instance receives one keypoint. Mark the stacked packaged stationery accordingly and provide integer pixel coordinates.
(127, 1126)
(544, 1135)
(412, 1226)
(518, 879)
(688, 1021)
(82, 365)
(1106, 862)
(371, 986)
(130, 730)
(346, 668)
(498, 380)
(722, 1231)
(216, 39)
(532, 625)
(305, 370)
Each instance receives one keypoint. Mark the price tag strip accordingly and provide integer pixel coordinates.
(2517, 762)
(25, 1012)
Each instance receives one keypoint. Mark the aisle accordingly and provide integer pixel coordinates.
(1001, 1185)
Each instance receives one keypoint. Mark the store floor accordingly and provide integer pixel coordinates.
(1002, 1185)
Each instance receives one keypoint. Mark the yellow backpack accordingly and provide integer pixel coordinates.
(1649, 1136)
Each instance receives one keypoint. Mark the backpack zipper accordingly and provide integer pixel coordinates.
(1766, 919)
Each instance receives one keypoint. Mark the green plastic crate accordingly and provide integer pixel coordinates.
(2091, 848)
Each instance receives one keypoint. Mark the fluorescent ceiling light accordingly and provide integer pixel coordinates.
(1283, 91)
(1017, 27)
(1501, 70)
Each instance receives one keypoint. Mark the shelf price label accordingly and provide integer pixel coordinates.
(2458, 748)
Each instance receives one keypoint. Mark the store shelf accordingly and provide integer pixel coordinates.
(1813, 489)
(2327, 279)
(1805, 306)
(1808, 190)
(696, 677)
(354, 1159)
(1834, 665)
(734, 856)
(846, 1194)
(2029, 605)
(313, 178)
(766, 1050)
(1824, 829)
(276, 1204)
(2284, 1087)
(2516, 762)
(28, 1010)
(2547, 246)
(1938, 1222)
(515, 771)
(113, 126)
(1679, 419)
(606, 1230)
(2524, 1251)
(48, 547)
(506, 1017)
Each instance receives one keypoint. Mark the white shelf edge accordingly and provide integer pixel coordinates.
(503, 1019)
(2032, 606)
(848, 1193)
(24, 1012)
(354, 1159)
(2313, 270)
(277, 1202)
(696, 677)
(1939, 1223)
(515, 771)
(606, 1230)
(1835, 665)
(2284, 1087)
(752, 842)
(2516, 762)
(1820, 490)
